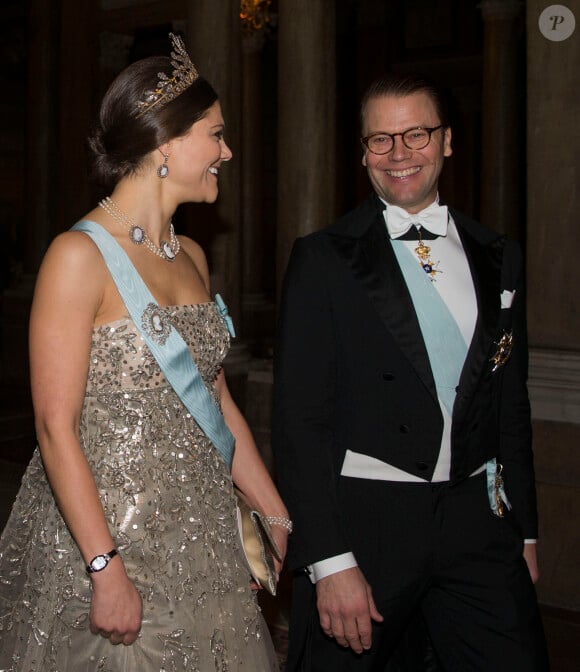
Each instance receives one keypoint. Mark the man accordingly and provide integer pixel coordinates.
(400, 414)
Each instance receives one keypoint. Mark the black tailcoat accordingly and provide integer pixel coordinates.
(352, 372)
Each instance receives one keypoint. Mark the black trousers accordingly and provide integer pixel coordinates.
(415, 652)
(439, 550)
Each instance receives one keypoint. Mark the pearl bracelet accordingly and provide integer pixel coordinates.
(280, 520)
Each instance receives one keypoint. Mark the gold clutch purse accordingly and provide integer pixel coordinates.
(259, 546)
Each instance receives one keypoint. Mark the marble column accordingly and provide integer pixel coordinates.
(42, 126)
(41, 180)
(553, 186)
(306, 121)
(502, 123)
(78, 104)
(257, 311)
(213, 36)
(553, 276)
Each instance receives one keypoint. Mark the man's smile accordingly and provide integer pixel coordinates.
(403, 173)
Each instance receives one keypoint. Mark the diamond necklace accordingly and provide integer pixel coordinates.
(138, 235)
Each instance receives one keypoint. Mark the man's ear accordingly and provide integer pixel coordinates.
(447, 149)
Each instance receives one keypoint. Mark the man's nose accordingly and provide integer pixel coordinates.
(400, 151)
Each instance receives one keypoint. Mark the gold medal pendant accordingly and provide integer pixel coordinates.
(429, 266)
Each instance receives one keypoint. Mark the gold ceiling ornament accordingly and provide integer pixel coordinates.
(255, 15)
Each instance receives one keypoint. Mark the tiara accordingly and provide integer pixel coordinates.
(168, 88)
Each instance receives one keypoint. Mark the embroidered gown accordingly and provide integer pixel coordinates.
(169, 502)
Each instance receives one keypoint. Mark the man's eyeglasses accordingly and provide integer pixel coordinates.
(413, 138)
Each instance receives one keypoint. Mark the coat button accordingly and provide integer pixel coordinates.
(388, 376)
(404, 429)
(422, 466)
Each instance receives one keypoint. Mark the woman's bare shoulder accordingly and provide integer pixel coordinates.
(73, 247)
(72, 265)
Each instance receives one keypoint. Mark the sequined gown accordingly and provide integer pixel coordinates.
(168, 498)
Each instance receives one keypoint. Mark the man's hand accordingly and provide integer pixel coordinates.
(346, 607)
(531, 558)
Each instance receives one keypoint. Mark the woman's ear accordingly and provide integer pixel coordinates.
(165, 149)
(163, 168)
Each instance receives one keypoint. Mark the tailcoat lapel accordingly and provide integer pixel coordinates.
(485, 256)
(366, 250)
(363, 243)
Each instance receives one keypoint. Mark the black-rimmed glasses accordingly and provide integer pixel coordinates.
(413, 138)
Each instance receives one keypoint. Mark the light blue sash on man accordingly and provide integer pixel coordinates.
(444, 341)
(445, 345)
(166, 345)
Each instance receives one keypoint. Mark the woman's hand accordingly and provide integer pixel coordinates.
(116, 606)
(280, 536)
(531, 559)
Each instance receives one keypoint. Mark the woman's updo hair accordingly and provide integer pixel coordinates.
(121, 139)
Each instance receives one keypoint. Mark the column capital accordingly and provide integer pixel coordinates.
(500, 9)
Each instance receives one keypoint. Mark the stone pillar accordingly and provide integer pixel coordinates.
(553, 276)
(41, 180)
(553, 186)
(213, 36)
(257, 312)
(306, 121)
(42, 128)
(78, 65)
(502, 121)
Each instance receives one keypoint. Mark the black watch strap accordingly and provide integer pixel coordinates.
(99, 562)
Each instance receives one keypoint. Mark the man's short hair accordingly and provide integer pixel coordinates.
(399, 85)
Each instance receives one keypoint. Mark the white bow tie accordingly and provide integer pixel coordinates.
(433, 218)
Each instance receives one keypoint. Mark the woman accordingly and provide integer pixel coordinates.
(126, 484)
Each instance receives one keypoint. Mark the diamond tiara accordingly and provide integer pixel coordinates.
(168, 88)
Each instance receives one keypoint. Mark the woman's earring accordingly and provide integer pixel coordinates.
(163, 170)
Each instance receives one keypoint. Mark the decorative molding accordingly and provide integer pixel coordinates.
(554, 385)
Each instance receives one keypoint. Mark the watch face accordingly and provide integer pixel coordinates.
(98, 563)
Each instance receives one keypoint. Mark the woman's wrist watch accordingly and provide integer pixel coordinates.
(99, 562)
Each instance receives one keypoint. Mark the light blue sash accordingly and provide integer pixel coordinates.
(444, 341)
(445, 345)
(166, 345)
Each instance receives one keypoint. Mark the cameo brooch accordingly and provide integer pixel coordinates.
(156, 323)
